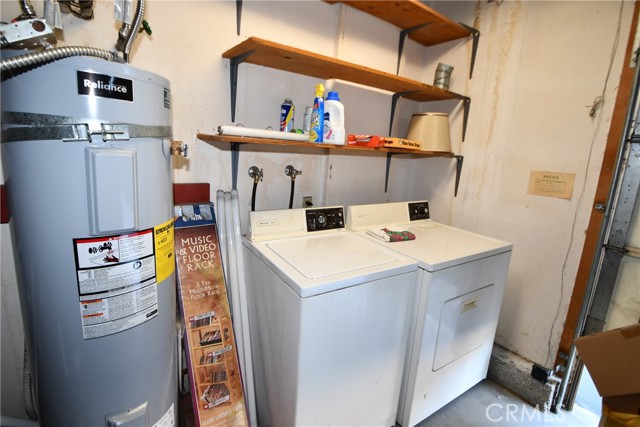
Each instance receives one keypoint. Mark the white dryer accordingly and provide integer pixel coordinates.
(330, 313)
(461, 278)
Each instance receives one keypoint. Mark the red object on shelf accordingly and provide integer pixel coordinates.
(366, 140)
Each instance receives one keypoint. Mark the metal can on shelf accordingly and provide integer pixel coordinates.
(306, 124)
(287, 112)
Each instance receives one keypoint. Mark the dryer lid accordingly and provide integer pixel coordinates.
(439, 246)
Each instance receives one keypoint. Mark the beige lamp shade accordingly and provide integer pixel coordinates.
(432, 130)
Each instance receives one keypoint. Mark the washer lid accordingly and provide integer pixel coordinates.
(312, 265)
(330, 255)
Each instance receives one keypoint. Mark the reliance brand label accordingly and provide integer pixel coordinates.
(105, 86)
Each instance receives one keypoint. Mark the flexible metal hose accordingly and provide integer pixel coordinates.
(27, 8)
(53, 55)
(135, 26)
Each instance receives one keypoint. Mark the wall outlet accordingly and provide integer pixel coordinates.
(307, 201)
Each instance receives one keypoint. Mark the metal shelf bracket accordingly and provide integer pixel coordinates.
(235, 157)
(403, 35)
(394, 101)
(459, 160)
(233, 70)
(475, 34)
(386, 174)
(466, 104)
(238, 15)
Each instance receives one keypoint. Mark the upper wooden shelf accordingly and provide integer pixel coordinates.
(269, 54)
(282, 142)
(408, 14)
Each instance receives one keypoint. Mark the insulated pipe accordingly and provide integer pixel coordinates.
(50, 55)
(243, 319)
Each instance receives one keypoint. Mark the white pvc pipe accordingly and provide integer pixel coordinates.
(222, 235)
(244, 309)
(261, 133)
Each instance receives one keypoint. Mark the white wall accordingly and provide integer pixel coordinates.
(538, 66)
(541, 64)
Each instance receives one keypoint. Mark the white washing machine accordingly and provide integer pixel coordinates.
(330, 313)
(461, 279)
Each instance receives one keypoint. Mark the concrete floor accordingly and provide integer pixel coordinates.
(485, 405)
(491, 405)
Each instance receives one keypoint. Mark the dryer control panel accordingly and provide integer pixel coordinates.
(324, 219)
(418, 210)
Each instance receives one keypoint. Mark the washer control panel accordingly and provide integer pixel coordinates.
(324, 219)
(418, 210)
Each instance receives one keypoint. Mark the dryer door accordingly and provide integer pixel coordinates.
(466, 323)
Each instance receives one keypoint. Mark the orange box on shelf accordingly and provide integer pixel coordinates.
(402, 143)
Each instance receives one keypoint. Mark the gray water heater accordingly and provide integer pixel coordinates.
(87, 166)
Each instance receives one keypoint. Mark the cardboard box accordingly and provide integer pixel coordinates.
(402, 143)
(212, 360)
(613, 361)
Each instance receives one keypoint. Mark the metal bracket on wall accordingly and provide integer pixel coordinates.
(238, 15)
(386, 174)
(403, 35)
(466, 104)
(459, 159)
(235, 157)
(394, 101)
(474, 47)
(233, 71)
(475, 34)
(465, 118)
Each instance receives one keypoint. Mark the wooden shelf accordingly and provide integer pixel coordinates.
(328, 147)
(407, 14)
(269, 54)
(236, 141)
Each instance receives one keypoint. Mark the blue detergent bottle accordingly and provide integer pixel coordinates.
(317, 115)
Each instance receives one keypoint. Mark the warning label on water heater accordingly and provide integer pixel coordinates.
(116, 282)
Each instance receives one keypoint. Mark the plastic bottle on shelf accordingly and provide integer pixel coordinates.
(317, 115)
(333, 132)
(287, 114)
